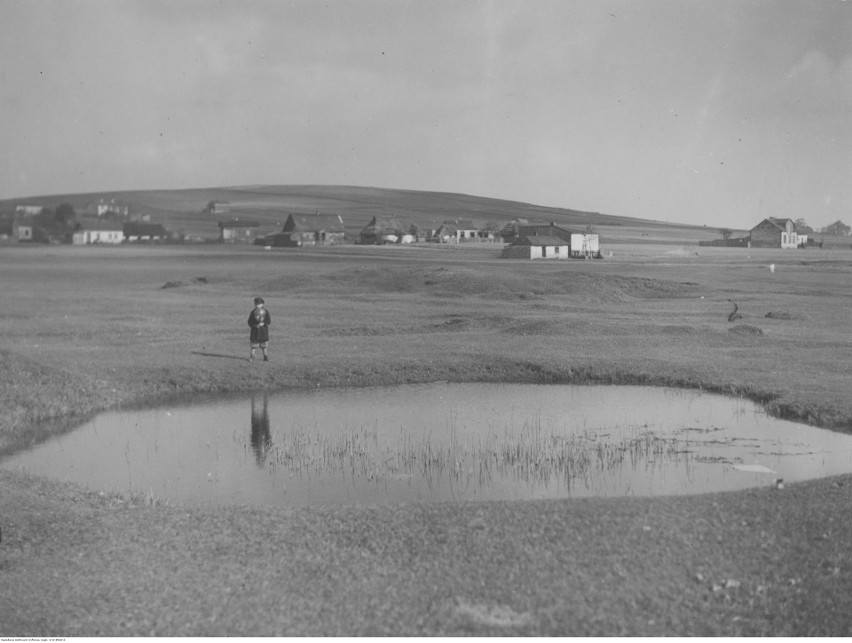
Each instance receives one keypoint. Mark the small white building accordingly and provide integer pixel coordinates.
(537, 247)
(92, 231)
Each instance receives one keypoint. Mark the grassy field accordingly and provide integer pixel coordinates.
(85, 329)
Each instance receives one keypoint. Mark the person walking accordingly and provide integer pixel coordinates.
(259, 321)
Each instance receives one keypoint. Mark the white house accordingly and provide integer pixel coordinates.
(537, 247)
(91, 231)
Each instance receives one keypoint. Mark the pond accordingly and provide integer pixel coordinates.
(435, 442)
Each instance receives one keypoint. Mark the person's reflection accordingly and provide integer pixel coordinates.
(260, 438)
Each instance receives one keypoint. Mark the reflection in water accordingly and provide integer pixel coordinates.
(260, 436)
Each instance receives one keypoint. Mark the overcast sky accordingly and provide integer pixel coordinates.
(712, 112)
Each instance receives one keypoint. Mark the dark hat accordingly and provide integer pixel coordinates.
(258, 300)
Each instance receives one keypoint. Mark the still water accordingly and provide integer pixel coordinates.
(438, 442)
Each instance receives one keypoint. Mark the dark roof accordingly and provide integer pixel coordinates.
(777, 222)
(540, 240)
(135, 229)
(98, 224)
(387, 224)
(239, 223)
(314, 223)
(542, 229)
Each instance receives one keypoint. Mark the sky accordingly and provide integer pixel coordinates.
(709, 112)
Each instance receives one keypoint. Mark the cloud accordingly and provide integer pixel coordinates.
(816, 83)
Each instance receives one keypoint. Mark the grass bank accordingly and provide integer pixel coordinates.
(89, 329)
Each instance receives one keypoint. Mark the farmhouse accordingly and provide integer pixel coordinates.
(537, 247)
(776, 233)
(91, 231)
(381, 230)
(311, 230)
(455, 231)
(238, 231)
(581, 244)
(144, 232)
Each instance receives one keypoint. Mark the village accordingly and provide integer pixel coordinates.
(108, 222)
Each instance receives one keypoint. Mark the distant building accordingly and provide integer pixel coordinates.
(311, 230)
(537, 247)
(112, 207)
(29, 210)
(238, 231)
(382, 229)
(509, 232)
(144, 232)
(518, 228)
(97, 231)
(217, 208)
(776, 233)
(457, 231)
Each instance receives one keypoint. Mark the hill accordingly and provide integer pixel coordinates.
(184, 210)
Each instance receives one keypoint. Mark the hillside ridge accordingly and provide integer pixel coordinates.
(184, 209)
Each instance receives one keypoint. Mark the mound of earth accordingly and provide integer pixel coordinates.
(746, 329)
(489, 284)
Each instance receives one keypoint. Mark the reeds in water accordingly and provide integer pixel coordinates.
(532, 455)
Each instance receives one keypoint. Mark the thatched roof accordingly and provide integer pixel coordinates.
(381, 225)
(314, 223)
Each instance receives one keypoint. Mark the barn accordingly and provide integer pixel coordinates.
(537, 247)
(382, 229)
(311, 230)
(776, 233)
(238, 231)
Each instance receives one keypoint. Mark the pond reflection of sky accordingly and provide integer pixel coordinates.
(439, 442)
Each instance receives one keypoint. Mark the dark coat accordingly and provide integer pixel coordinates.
(258, 321)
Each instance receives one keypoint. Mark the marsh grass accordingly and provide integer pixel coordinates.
(533, 455)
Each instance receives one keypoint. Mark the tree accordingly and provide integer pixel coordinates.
(802, 227)
(726, 233)
(838, 228)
